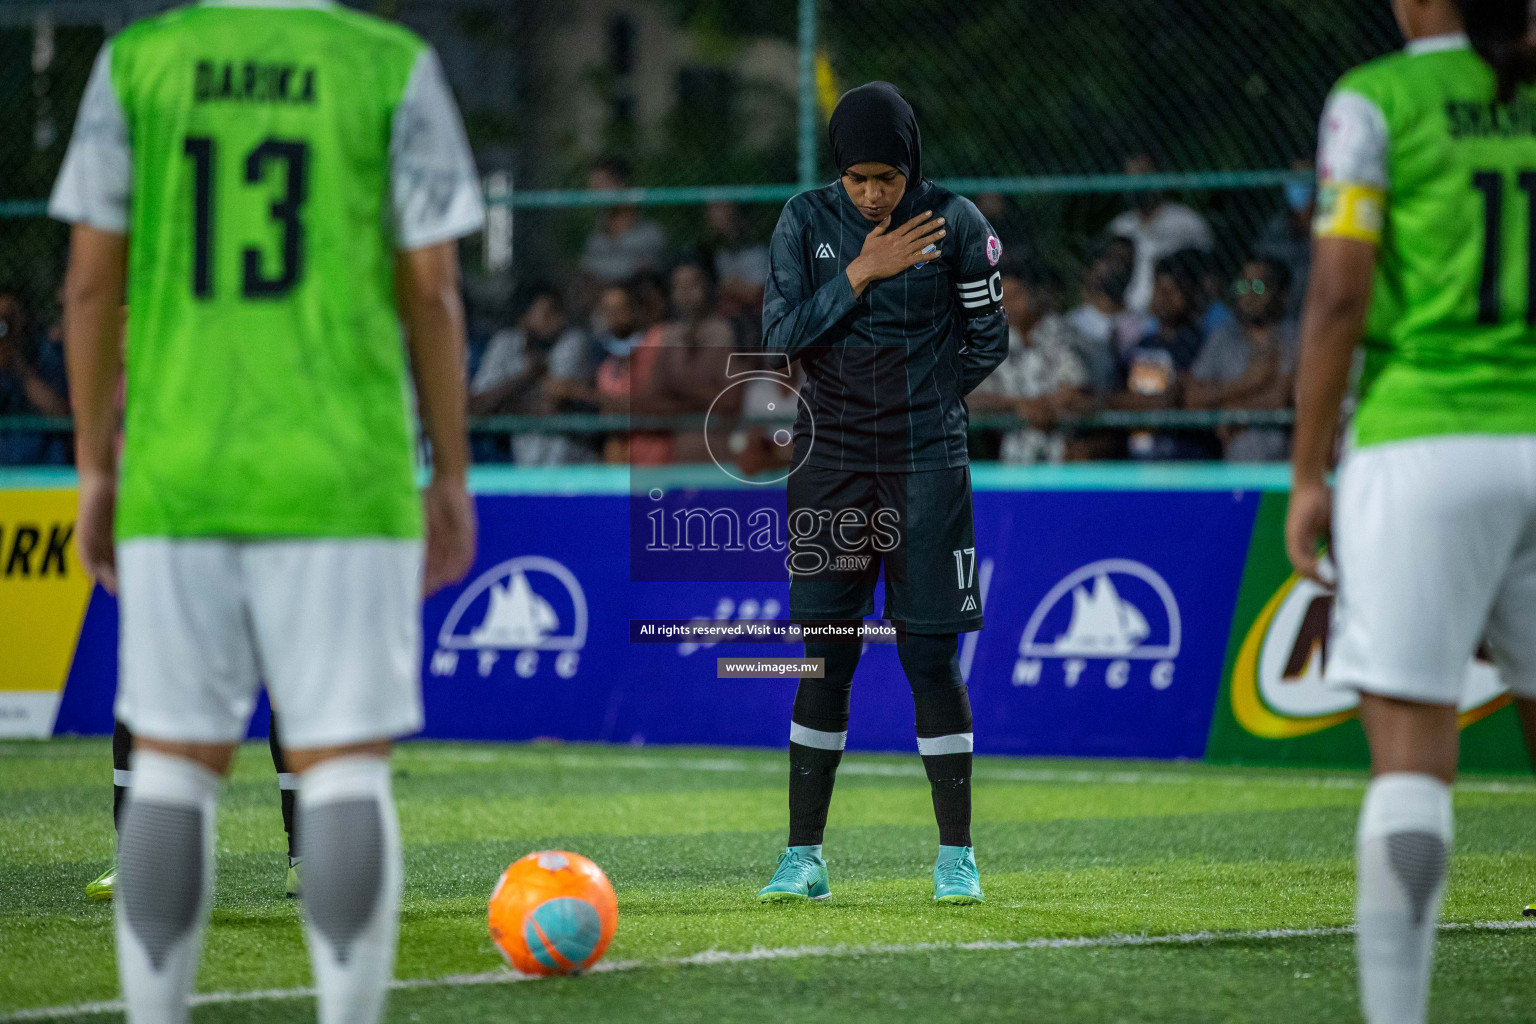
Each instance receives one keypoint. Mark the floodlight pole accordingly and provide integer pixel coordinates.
(807, 94)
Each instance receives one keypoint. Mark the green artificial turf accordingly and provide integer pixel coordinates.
(1066, 849)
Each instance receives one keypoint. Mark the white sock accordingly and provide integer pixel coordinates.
(164, 884)
(1403, 848)
(349, 841)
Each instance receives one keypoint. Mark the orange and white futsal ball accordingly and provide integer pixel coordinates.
(553, 912)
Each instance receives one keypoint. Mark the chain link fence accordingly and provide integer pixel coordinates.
(1033, 108)
(1054, 96)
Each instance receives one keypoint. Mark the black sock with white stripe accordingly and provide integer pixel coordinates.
(818, 732)
(944, 736)
(122, 773)
(287, 787)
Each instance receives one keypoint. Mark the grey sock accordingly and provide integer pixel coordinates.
(342, 846)
(160, 873)
(1419, 860)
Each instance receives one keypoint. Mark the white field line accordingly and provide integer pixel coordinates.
(712, 957)
(1088, 776)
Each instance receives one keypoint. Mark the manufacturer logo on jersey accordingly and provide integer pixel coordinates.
(969, 605)
(1278, 689)
(824, 252)
(994, 250)
(525, 606)
(1107, 615)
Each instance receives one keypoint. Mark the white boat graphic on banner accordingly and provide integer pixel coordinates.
(1121, 612)
(1102, 624)
(530, 604)
(517, 618)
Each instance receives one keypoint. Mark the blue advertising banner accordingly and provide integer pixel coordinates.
(1107, 614)
(1106, 618)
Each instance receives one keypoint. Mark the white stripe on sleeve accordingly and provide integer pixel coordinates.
(436, 191)
(1353, 142)
(96, 179)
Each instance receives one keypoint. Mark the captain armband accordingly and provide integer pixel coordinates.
(1350, 211)
(982, 296)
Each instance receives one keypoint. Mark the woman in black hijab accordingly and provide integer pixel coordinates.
(875, 124)
(892, 332)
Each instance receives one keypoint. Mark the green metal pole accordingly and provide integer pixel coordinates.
(807, 94)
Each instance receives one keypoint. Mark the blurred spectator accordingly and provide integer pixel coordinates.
(32, 383)
(651, 293)
(1156, 368)
(740, 262)
(1044, 376)
(1251, 364)
(528, 370)
(1288, 235)
(615, 346)
(621, 323)
(1215, 288)
(1107, 329)
(630, 354)
(692, 351)
(1158, 227)
(623, 243)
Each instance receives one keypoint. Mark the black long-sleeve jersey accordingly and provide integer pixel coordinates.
(887, 372)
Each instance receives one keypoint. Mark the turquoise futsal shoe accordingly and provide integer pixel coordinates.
(801, 875)
(955, 879)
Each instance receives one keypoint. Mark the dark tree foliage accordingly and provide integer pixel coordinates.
(1066, 87)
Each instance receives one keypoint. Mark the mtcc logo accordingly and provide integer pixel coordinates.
(1120, 613)
(525, 606)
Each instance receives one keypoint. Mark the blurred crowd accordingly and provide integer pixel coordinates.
(648, 324)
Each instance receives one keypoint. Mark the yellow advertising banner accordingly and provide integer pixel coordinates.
(43, 596)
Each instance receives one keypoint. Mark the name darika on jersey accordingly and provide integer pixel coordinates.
(250, 82)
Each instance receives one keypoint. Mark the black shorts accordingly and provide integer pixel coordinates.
(843, 526)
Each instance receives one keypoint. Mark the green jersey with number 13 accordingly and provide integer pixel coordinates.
(267, 160)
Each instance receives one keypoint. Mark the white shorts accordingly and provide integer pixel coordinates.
(332, 627)
(1435, 544)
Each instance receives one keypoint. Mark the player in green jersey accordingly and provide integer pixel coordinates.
(264, 178)
(1426, 223)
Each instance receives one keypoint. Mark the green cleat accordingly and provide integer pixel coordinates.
(101, 889)
(294, 886)
(1530, 909)
(801, 875)
(955, 879)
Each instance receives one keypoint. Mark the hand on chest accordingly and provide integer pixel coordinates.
(831, 255)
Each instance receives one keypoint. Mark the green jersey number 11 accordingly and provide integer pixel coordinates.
(293, 156)
(1491, 185)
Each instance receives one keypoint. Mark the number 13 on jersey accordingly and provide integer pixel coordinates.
(290, 158)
